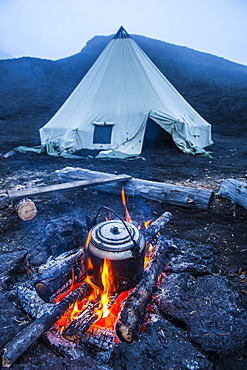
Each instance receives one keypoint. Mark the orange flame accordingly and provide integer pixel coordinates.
(89, 237)
(148, 255)
(127, 215)
(106, 278)
(147, 223)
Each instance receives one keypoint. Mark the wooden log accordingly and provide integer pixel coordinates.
(156, 225)
(26, 337)
(77, 328)
(82, 323)
(26, 209)
(17, 194)
(184, 196)
(234, 190)
(55, 277)
(50, 286)
(99, 339)
(136, 303)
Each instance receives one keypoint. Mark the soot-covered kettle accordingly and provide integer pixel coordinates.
(123, 245)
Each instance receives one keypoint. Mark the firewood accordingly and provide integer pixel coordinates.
(26, 337)
(99, 339)
(136, 303)
(234, 190)
(57, 279)
(184, 196)
(82, 323)
(26, 209)
(51, 286)
(17, 194)
(156, 225)
(87, 317)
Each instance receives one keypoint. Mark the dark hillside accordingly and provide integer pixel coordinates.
(33, 89)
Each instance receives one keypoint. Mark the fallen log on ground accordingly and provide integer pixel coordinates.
(184, 196)
(25, 338)
(136, 303)
(234, 190)
(37, 190)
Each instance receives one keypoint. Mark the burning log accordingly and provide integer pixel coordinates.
(234, 190)
(25, 338)
(80, 325)
(58, 279)
(99, 343)
(135, 305)
(50, 286)
(101, 339)
(157, 225)
(184, 196)
(87, 317)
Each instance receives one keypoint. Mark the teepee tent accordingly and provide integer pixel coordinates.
(109, 109)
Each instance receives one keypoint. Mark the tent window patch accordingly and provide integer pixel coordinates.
(102, 132)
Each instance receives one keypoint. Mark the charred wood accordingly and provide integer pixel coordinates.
(184, 196)
(136, 303)
(87, 317)
(58, 279)
(25, 338)
(101, 339)
(157, 225)
(99, 343)
(82, 323)
(234, 190)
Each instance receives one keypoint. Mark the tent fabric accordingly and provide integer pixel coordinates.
(46, 148)
(124, 88)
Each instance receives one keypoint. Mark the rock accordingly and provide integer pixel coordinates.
(12, 318)
(207, 307)
(10, 263)
(61, 235)
(161, 346)
(37, 358)
(184, 255)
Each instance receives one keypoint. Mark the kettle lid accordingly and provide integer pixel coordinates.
(115, 235)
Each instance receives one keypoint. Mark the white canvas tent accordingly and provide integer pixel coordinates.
(109, 109)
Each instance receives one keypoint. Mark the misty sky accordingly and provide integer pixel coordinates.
(54, 29)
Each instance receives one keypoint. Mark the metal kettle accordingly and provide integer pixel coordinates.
(123, 245)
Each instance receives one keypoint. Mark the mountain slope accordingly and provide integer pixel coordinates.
(34, 89)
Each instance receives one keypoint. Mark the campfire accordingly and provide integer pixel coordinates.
(95, 296)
